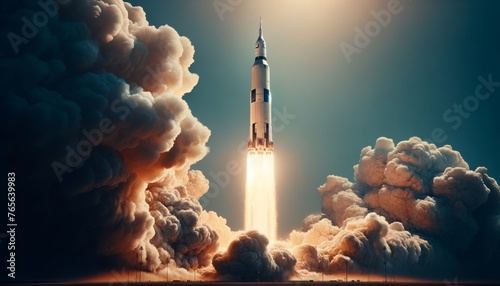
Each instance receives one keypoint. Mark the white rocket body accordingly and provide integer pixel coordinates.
(261, 138)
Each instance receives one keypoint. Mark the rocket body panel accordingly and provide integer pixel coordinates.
(260, 139)
(261, 76)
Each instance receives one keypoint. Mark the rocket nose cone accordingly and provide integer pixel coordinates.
(260, 49)
(260, 43)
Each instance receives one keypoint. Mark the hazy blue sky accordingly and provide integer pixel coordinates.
(425, 60)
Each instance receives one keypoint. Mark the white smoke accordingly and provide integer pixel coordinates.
(414, 206)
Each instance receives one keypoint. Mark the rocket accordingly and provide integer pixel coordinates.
(261, 138)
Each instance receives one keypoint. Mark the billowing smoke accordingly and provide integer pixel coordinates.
(248, 259)
(178, 234)
(414, 209)
(94, 126)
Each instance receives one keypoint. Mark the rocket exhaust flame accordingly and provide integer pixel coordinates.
(260, 200)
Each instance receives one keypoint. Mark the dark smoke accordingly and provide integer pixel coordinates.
(248, 259)
(94, 126)
(178, 233)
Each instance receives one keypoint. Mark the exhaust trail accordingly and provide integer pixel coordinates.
(260, 200)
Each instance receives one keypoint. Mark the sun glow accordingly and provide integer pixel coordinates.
(260, 199)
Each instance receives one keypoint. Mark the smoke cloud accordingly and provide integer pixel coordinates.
(414, 206)
(95, 129)
(178, 234)
(248, 259)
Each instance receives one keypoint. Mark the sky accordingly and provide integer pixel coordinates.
(426, 59)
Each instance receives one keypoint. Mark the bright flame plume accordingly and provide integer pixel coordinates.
(260, 199)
